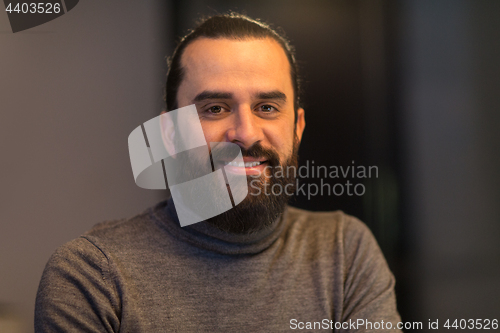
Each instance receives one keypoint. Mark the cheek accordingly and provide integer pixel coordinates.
(281, 139)
(213, 132)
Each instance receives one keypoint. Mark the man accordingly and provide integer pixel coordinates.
(261, 266)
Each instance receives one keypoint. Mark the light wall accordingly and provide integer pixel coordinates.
(71, 91)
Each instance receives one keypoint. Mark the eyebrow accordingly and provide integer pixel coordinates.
(212, 95)
(207, 95)
(275, 94)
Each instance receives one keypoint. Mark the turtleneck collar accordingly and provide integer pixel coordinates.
(208, 237)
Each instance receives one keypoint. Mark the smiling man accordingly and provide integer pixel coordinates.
(260, 267)
(244, 94)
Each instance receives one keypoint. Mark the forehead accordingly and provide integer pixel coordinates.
(255, 63)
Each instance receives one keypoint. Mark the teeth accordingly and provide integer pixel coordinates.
(242, 164)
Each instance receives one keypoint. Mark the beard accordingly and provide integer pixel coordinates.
(268, 193)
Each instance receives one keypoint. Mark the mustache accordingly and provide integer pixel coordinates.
(258, 151)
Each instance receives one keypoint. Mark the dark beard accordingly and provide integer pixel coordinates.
(261, 207)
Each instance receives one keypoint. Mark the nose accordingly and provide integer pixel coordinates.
(244, 129)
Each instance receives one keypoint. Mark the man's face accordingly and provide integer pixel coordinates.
(243, 93)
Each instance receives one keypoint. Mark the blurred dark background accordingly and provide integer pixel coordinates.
(411, 87)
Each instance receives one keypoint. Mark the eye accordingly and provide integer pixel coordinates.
(268, 108)
(216, 109)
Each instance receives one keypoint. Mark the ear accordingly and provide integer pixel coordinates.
(300, 124)
(167, 132)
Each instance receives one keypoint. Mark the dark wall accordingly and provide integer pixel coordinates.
(450, 111)
(411, 87)
(342, 49)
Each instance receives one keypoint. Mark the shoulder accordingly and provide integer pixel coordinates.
(330, 233)
(77, 274)
(91, 256)
(334, 222)
(105, 242)
(123, 227)
(122, 234)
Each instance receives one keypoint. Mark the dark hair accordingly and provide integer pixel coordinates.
(233, 26)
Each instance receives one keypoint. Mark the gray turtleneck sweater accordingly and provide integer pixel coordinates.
(310, 272)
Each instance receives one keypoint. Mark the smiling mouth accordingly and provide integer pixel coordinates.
(245, 164)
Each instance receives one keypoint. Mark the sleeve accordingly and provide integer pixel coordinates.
(369, 297)
(76, 293)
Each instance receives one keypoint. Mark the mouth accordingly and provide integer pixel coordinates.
(245, 164)
(249, 167)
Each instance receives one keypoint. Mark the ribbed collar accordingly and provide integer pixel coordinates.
(208, 237)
